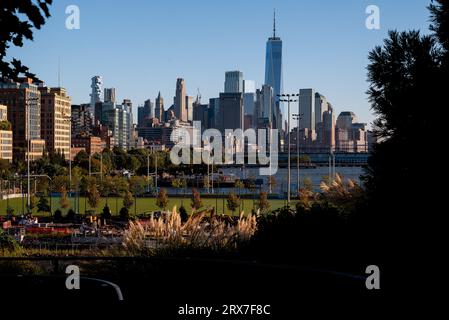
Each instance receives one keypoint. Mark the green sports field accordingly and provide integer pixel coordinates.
(143, 205)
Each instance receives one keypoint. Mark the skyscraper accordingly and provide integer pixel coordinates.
(273, 63)
(307, 108)
(145, 112)
(109, 95)
(233, 82)
(321, 106)
(231, 111)
(95, 96)
(249, 86)
(189, 106)
(180, 100)
(159, 109)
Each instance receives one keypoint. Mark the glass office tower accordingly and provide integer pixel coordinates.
(273, 63)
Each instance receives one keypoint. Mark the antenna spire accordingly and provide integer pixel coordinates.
(274, 23)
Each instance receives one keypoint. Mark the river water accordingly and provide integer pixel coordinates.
(315, 175)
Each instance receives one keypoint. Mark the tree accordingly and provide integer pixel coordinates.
(308, 185)
(264, 204)
(57, 216)
(401, 73)
(32, 202)
(239, 185)
(10, 211)
(64, 201)
(42, 204)
(124, 214)
(106, 214)
(93, 196)
(183, 214)
(162, 199)
(120, 186)
(137, 187)
(439, 16)
(133, 164)
(128, 200)
(233, 202)
(271, 183)
(70, 215)
(196, 200)
(17, 18)
(176, 183)
(107, 186)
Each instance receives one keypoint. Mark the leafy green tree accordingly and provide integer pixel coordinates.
(196, 202)
(107, 186)
(240, 185)
(106, 214)
(233, 202)
(10, 211)
(137, 187)
(57, 216)
(263, 204)
(133, 164)
(124, 214)
(128, 200)
(64, 202)
(42, 204)
(162, 199)
(71, 215)
(93, 195)
(402, 72)
(183, 214)
(16, 24)
(271, 183)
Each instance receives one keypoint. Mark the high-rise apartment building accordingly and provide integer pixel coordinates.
(55, 120)
(233, 82)
(180, 100)
(82, 122)
(5, 135)
(109, 95)
(23, 100)
(96, 90)
(118, 119)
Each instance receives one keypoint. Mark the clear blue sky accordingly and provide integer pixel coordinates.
(141, 47)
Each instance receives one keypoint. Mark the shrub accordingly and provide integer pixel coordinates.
(183, 214)
(124, 214)
(106, 214)
(57, 216)
(71, 215)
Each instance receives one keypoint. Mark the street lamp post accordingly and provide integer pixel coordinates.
(288, 98)
(68, 118)
(298, 117)
(28, 140)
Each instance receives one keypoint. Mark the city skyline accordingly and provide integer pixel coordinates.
(309, 48)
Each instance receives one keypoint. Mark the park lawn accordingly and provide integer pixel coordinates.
(144, 205)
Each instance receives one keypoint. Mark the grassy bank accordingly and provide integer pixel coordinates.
(143, 205)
